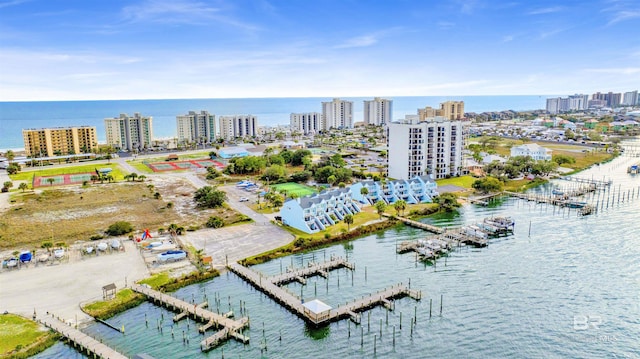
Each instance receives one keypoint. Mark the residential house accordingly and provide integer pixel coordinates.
(532, 150)
(420, 189)
(314, 213)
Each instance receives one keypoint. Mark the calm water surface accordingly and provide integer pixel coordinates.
(567, 288)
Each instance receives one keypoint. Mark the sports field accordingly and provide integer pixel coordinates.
(183, 165)
(292, 187)
(61, 179)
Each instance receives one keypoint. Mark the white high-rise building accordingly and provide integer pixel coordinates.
(130, 133)
(553, 105)
(337, 114)
(196, 127)
(378, 111)
(431, 147)
(238, 126)
(306, 123)
(630, 98)
(578, 102)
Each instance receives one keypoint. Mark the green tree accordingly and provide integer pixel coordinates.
(400, 206)
(381, 206)
(298, 156)
(274, 173)
(13, 168)
(487, 184)
(562, 159)
(8, 184)
(215, 222)
(119, 228)
(331, 180)
(50, 180)
(364, 191)
(23, 186)
(447, 202)
(348, 219)
(209, 197)
(10, 156)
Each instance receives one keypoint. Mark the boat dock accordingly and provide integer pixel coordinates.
(416, 224)
(599, 184)
(484, 200)
(81, 341)
(267, 284)
(229, 328)
(311, 270)
(561, 201)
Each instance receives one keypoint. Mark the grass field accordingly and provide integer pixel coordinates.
(27, 175)
(462, 181)
(292, 187)
(18, 331)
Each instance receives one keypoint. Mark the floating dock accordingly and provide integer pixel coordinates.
(416, 224)
(81, 341)
(269, 286)
(229, 328)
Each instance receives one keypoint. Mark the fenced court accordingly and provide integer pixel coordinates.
(62, 179)
(183, 165)
(292, 187)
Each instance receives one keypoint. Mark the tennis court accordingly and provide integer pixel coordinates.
(183, 165)
(63, 179)
(292, 187)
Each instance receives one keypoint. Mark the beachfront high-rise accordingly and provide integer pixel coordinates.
(196, 127)
(451, 110)
(238, 126)
(48, 142)
(378, 111)
(129, 133)
(306, 123)
(418, 148)
(337, 114)
(630, 98)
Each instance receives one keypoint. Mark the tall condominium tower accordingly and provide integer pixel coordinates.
(306, 123)
(130, 133)
(337, 114)
(378, 111)
(432, 147)
(196, 127)
(238, 126)
(59, 141)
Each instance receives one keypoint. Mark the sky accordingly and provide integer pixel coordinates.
(159, 49)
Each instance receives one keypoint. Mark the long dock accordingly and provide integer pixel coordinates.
(416, 224)
(229, 328)
(81, 341)
(311, 270)
(597, 183)
(294, 303)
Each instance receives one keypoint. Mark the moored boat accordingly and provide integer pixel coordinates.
(172, 256)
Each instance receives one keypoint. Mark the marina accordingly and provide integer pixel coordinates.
(229, 328)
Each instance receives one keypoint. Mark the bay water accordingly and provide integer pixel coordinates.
(563, 286)
(16, 116)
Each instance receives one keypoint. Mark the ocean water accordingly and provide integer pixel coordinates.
(563, 286)
(15, 116)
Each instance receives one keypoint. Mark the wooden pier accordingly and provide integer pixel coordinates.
(311, 270)
(416, 224)
(599, 184)
(561, 201)
(294, 303)
(229, 328)
(81, 341)
(484, 200)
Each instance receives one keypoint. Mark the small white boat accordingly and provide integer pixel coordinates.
(43, 257)
(102, 246)
(88, 250)
(172, 256)
(58, 253)
(165, 246)
(115, 244)
(12, 262)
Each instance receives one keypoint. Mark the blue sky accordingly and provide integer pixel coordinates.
(68, 50)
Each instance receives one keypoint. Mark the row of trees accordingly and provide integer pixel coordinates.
(519, 165)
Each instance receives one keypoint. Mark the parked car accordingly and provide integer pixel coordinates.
(244, 199)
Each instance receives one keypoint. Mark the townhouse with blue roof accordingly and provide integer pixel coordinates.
(314, 213)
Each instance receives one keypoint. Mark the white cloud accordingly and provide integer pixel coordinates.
(508, 38)
(12, 3)
(359, 41)
(546, 10)
(624, 15)
(445, 24)
(616, 70)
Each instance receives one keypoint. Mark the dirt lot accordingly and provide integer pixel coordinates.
(75, 213)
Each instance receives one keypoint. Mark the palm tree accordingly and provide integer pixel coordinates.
(380, 207)
(23, 186)
(50, 180)
(10, 156)
(141, 178)
(348, 219)
(400, 206)
(109, 178)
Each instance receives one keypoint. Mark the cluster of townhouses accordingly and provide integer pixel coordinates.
(314, 213)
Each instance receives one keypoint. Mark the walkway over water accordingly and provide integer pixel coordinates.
(416, 224)
(80, 340)
(294, 303)
(229, 328)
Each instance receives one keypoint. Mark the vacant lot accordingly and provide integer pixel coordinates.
(27, 175)
(76, 213)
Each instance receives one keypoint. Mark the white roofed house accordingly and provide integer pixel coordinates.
(532, 150)
(314, 213)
